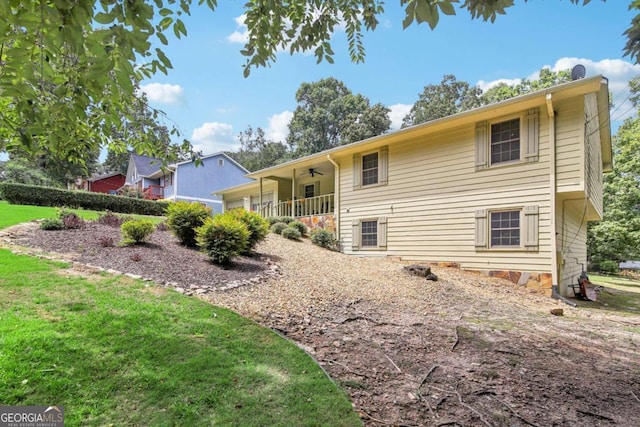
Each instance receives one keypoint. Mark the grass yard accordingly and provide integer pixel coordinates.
(15, 214)
(116, 351)
(619, 293)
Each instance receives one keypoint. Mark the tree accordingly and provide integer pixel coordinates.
(547, 78)
(257, 152)
(449, 97)
(617, 237)
(141, 125)
(67, 81)
(21, 172)
(329, 114)
(82, 56)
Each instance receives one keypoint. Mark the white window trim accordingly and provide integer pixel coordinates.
(529, 140)
(529, 229)
(356, 244)
(383, 168)
(520, 229)
(520, 139)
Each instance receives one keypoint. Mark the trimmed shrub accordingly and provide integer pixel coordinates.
(110, 219)
(275, 219)
(223, 238)
(106, 241)
(71, 220)
(21, 194)
(300, 227)
(608, 266)
(323, 238)
(52, 224)
(291, 233)
(183, 218)
(278, 227)
(258, 227)
(136, 231)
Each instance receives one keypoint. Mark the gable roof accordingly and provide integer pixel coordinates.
(598, 84)
(98, 177)
(220, 153)
(146, 165)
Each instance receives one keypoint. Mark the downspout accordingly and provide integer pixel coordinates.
(552, 197)
(336, 195)
(175, 185)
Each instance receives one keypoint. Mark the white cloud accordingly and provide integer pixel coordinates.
(398, 111)
(241, 35)
(484, 85)
(618, 72)
(213, 137)
(279, 126)
(164, 93)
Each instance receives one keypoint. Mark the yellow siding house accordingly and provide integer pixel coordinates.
(506, 189)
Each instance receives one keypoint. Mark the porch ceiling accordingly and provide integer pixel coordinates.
(301, 170)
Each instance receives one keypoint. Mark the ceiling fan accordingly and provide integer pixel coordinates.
(313, 172)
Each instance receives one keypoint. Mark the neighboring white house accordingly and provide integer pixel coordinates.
(505, 189)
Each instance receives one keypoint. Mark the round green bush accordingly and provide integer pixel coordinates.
(183, 218)
(52, 224)
(258, 227)
(299, 226)
(323, 238)
(275, 219)
(136, 231)
(291, 233)
(608, 266)
(223, 238)
(278, 227)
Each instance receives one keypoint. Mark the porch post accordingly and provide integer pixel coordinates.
(293, 194)
(260, 197)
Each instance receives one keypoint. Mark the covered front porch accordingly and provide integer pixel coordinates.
(304, 190)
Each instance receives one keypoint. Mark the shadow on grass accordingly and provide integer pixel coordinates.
(115, 351)
(615, 293)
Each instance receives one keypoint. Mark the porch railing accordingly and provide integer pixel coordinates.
(309, 206)
(153, 192)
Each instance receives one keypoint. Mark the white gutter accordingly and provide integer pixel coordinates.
(552, 193)
(336, 195)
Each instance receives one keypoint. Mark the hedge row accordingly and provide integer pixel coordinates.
(21, 194)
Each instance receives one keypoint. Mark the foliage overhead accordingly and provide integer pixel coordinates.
(81, 73)
(85, 58)
(329, 115)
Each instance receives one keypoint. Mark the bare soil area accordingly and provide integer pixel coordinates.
(466, 350)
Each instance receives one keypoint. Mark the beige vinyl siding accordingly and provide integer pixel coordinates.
(247, 194)
(432, 194)
(572, 238)
(593, 149)
(570, 146)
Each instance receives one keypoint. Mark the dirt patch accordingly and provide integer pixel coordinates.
(466, 350)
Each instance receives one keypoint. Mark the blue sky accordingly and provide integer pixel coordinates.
(208, 98)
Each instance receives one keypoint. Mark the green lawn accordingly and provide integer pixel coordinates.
(15, 214)
(618, 293)
(114, 351)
